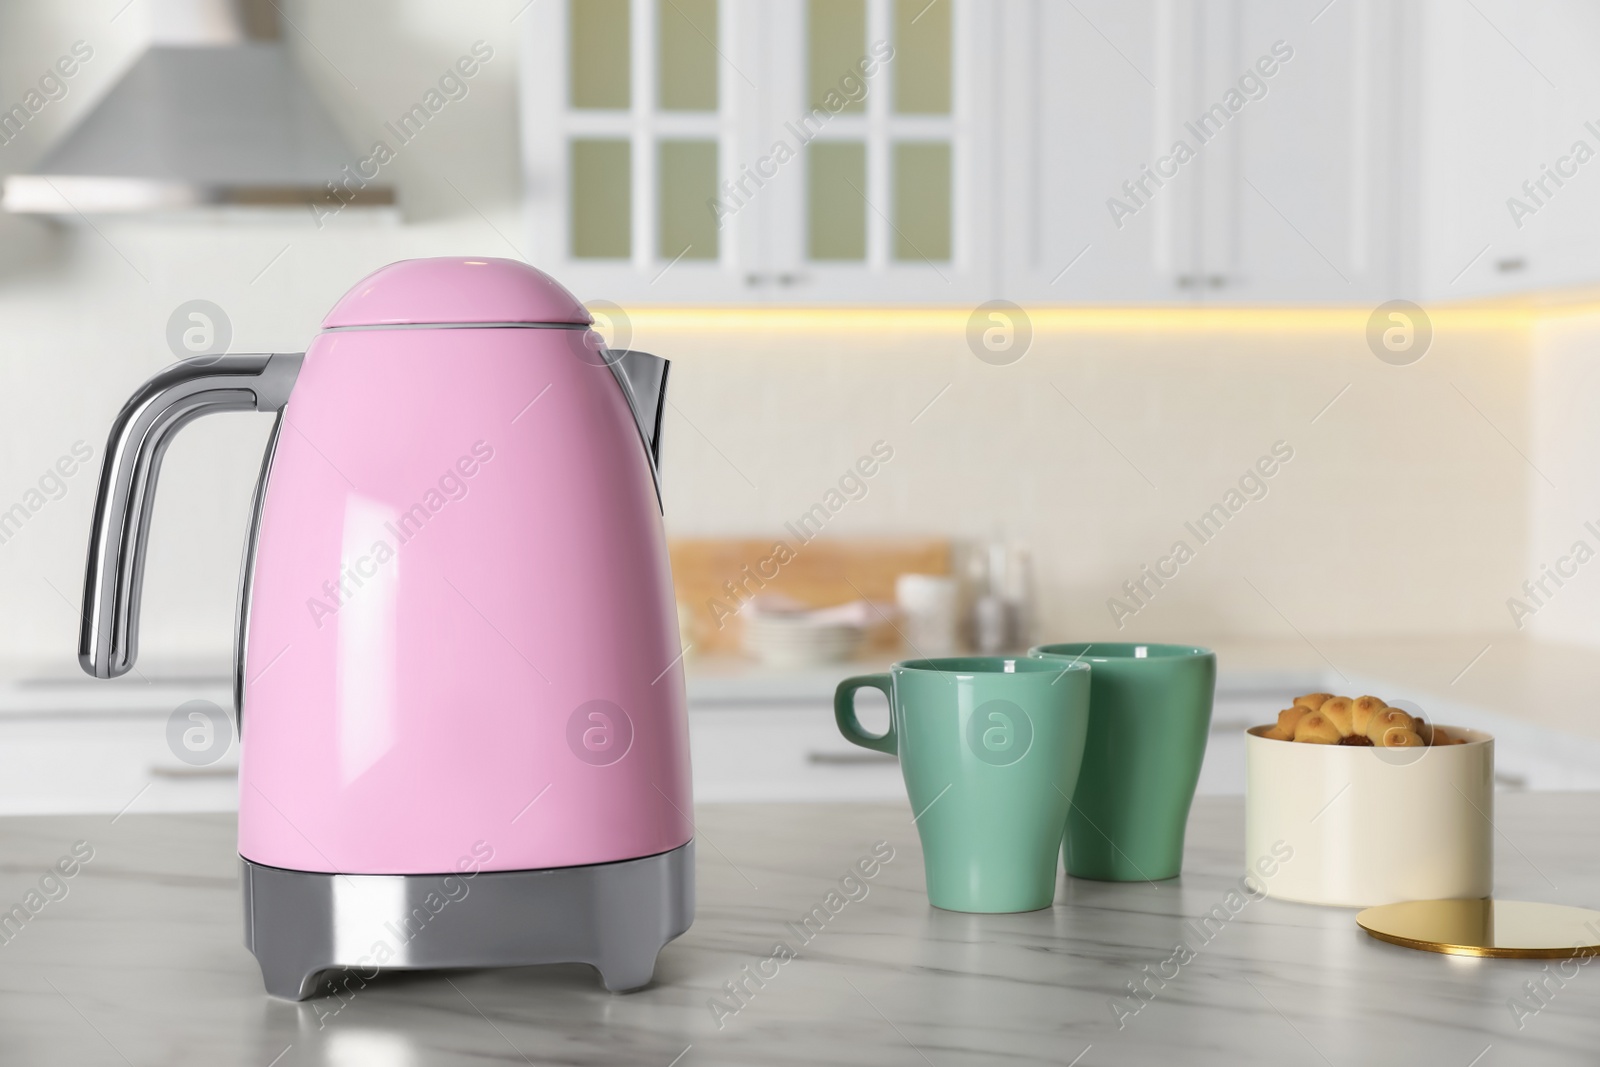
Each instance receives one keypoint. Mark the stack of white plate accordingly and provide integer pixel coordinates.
(798, 639)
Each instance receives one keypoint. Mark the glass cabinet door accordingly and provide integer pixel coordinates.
(883, 199)
(804, 151)
(630, 124)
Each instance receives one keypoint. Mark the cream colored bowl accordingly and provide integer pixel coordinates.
(1356, 827)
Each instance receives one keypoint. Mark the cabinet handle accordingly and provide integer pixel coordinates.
(844, 759)
(192, 773)
(1216, 281)
(1188, 281)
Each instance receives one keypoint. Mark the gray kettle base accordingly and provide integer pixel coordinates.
(614, 916)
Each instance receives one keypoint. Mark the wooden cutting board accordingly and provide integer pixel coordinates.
(818, 573)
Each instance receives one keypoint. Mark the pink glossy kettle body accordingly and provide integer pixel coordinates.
(461, 621)
(459, 648)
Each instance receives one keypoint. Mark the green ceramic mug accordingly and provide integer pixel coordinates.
(1149, 717)
(990, 749)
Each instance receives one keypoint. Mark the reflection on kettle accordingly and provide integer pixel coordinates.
(455, 557)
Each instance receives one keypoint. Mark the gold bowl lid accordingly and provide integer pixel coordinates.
(1501, 928)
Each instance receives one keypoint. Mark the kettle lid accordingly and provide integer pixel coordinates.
(452, 289)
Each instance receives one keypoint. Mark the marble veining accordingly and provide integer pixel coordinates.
(141, 962)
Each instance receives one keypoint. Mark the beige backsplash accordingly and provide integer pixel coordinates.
(1402, 510)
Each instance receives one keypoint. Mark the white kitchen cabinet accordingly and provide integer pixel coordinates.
(733, 151)
(1227, 151)
(1433, 152)
(1377, 159)
(758, 737)
(920, 207)
(772, 750)
(69, 743)
(1503, 203)
(107, 762)
(1095, 92)
(785, 751)
(1308, 192)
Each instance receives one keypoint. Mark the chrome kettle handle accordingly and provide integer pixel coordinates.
(108, 641)
(643, 378)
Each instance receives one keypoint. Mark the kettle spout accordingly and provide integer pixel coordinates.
(644, 381)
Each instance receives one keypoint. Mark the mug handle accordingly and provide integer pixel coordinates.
(844, 712)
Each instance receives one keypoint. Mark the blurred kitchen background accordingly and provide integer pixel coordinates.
(1193, 217)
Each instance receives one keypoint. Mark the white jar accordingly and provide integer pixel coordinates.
(1357, 827)
(929, 613)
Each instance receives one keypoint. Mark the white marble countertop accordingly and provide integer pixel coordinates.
(141, 963)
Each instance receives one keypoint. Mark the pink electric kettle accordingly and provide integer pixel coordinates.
(457, 670)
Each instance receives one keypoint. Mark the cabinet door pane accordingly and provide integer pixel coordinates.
(601, 184)
(836, 39)
(921, 57)
(688, 187)
(836, 207)
(922, 201)
(687, 34)
(599, 53)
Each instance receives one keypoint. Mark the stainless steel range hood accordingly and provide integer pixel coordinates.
(214, 114)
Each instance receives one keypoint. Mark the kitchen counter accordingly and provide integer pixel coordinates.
(725, 679)
(1537, 682)
(759, 730)
(766, 734)
(141, 963)
(1543, 684)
